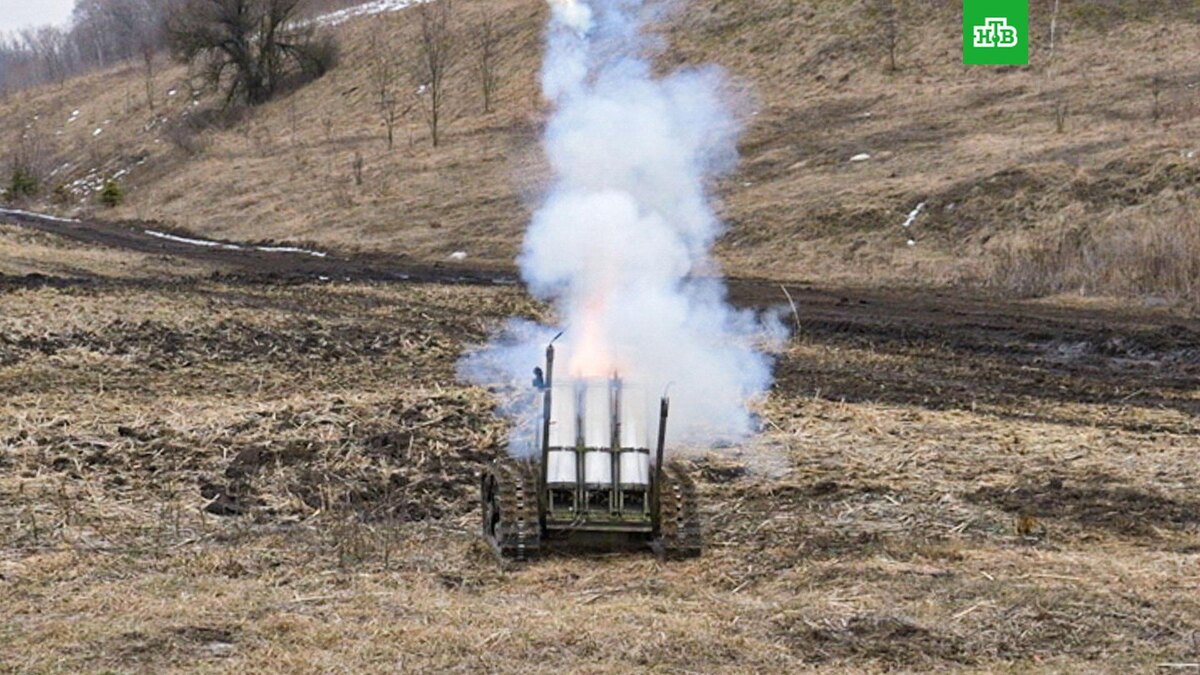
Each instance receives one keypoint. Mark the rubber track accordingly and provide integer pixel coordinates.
(518, 535)
(680, 529)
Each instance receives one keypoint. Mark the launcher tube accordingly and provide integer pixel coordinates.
(663, 411)
(546, 401)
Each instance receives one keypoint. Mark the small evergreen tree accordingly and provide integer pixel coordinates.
(112, 195)
(22, 183)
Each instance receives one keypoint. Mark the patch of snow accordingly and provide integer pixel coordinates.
(862, 157)
(192, 242)
(366, 9)
(912, 217)
(289, 249)
(97, 132)
(43, 216)
(208, 243)
(172, 92)
(458, 255)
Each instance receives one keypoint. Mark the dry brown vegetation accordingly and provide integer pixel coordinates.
(1144, 251)
(213, 473)
(978, 146)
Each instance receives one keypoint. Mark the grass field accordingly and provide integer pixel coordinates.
(218, 473)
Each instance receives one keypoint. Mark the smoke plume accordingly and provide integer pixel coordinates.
(620, 245)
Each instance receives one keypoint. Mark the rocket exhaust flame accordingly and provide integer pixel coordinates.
(621, 243)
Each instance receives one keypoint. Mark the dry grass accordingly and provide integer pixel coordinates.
(888, 518)
(1142, 251)
(977, 145)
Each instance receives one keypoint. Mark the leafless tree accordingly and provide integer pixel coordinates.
(148, 54)
(486, 56)
(383, 81)
(885, 15)
(435, 56)
(248, 46)
(102, 32)
(26, 164)
(51, 50)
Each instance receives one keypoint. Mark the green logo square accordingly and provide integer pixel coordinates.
(996, 32)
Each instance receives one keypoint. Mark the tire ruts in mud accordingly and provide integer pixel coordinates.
(679, 528)
(517, 534)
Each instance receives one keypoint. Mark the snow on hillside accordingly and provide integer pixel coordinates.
(367, 9)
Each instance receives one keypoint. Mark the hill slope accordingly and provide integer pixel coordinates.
(1009, 198)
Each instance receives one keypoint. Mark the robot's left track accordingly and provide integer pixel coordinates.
(511, 522)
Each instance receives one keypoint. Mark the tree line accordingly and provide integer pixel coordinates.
(101, 33)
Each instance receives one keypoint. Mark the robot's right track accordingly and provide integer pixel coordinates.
(679, 529)
(510, 510)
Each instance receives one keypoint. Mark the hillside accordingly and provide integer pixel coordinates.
(1010, 202)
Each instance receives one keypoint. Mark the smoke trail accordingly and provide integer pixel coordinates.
(621, 244)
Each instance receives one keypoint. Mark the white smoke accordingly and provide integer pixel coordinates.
(621, 244)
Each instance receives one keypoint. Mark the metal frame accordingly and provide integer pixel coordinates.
(614, 520)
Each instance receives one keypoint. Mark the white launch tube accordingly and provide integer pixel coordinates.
(635, 415)
(597, 424)
(597, 468)
(561, 467)
(635, 469)
(563, 432)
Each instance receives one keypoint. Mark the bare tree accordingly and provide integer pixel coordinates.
(383, 80)
(889, 29)
(485, 53)
(25, 164)
(50, 49)
(248, 46)
(435, 57)
(148, 54)
(885, 28)
(102, 32)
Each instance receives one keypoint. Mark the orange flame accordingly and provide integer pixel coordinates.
(590, 354)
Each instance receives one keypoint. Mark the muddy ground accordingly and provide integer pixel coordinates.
(226, 460)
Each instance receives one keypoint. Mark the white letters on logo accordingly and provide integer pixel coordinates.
(995, 33)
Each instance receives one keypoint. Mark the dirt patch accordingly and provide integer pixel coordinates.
(882, 638)
(1120, 509)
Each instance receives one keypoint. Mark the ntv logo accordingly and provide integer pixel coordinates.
(996, 33)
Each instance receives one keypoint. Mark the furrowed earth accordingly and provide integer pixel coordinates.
(222, 460)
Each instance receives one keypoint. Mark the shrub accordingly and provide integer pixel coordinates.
(22, 183)
(112, 194)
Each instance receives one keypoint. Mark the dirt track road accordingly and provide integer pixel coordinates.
(967, 350)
